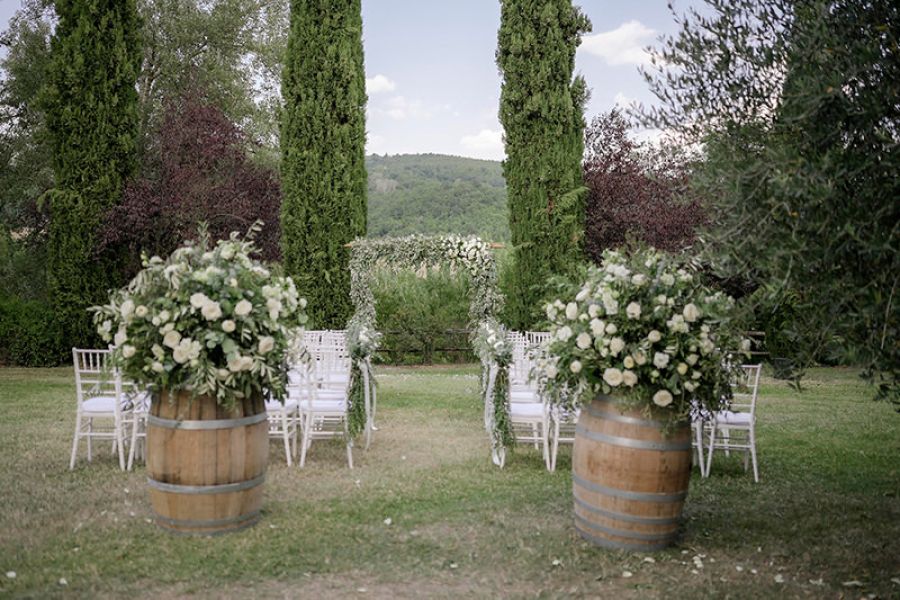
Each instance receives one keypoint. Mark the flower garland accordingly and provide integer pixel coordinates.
(495, 352)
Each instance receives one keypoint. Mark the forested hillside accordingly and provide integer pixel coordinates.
(434, 193)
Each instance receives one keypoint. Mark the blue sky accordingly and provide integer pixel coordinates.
(433, 84)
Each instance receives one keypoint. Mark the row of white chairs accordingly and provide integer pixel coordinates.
(316, 407)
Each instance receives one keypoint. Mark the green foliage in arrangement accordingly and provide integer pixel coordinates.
(435, 194)
(92, 118)
(798, 106)
(542, 112)
(323, 137)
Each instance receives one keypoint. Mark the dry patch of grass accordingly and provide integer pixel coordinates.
(826, 514)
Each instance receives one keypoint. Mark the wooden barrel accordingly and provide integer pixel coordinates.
(629, 480)
(206, 465)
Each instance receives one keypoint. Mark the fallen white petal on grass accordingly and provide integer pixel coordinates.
(10, 574)
(388, 521)
(853, 583)
(62, 581)
(896, 580)
(649, 559)
(362, 590)
(556, 562)
(779, 578)
(818, 581)
(754, 571)
(738, 568)
(695, 571)
(627, 574)
(453, 565)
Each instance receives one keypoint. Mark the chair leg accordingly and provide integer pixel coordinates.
(753, 456)
(120, 444)
(90, 436)
(134, 438)
(554, 448)
(285, 434)
(75, 441)
(712, 447)
(350, 454)
(545, 427)
(305, 441)
(534, 434)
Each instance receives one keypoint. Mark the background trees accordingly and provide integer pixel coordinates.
(92, 119)
(798, 107)
(541, 110)
(323, 137)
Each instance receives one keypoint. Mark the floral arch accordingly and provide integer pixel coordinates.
(470, 255)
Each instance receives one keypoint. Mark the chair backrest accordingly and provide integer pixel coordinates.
(95, 377)
(745, 385)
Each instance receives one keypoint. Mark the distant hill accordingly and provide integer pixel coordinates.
(435, 193)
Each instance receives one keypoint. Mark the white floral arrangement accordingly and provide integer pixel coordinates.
(644, 329)
(211, 321)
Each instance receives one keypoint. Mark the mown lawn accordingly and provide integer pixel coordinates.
(823, 522)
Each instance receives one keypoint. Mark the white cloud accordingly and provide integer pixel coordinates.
(487, 143)
(400, 108)
(621, 46)
(623, 101)
(379, 84)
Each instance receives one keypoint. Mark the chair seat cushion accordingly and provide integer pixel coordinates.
(99, 404)
(323, 405)
(526, 409)
(733, 418)
(276, 406)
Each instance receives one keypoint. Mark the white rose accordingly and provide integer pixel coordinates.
(611, 328)
(157, 367)
(247, 363)
(583, 341)
(120, 338)
(128, 351)
(633, 310)
(575, 367)
(571, 311)
(222, 373)
(610, 305)
(551, 312)
(629, 378)
(552, 372)
(682, 368)
(696, 375)
(706, 346)
(745, 346)
(227, 252)
(691, 359)
(198, 300)
(616, 345)
(639, 279)
(628, 362)
(661, 299)
(690, 386)
(640, 358)
(243, 308)
(266, 343)
(691, 313)
(180, 354)
(598, 327)
(233, 282)
(302, 302)
(660, 360)
(141, 311)
(654, 336)
(667, 279)
(171, 339)
(582, 295)
(166, 328)
(612, 376)
(158, 351)
(662, 398)
(127, 309)
(163, 316)
(228, 326)
(593, 310)
(564, 333)
(236, 364)
(211, 311)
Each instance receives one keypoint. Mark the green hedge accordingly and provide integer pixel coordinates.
(29, 335)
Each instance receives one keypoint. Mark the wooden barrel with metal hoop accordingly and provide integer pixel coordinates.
(629, 479)
(206, 465)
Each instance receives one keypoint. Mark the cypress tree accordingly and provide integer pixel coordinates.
(542, 113)
(323, 137)
(92, 119)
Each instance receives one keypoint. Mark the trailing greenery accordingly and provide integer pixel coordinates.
(92, 118)
(436, 194)
(798, 105)
(541, 109)
(323, 137)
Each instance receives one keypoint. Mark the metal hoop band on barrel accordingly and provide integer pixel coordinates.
(211, 424)
(645, 537)
(631, 443)
(206, 489)
(207, 523)
(628, 495)
(605, 543)
(627, 518)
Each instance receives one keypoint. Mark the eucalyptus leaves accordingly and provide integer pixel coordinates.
(210, 320)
